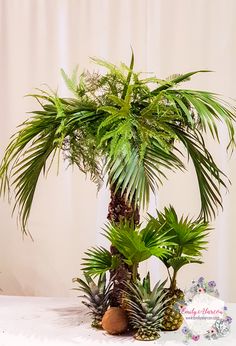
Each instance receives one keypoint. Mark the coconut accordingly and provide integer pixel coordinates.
(115, 321)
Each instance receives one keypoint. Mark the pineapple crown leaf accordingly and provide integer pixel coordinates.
(146, 306)
(97, 295)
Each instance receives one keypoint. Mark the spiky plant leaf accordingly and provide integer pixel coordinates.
(188, 236)
(178, 262)
(98, 260)
(188, 239)
(96, 296)
(145, 308)
(133, 245)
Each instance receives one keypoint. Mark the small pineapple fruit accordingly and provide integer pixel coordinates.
(96, 295)
(145, 308)
(172, 319)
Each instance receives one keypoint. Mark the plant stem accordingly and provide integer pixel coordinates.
(175, 271)
(134, 272)
(173, 281)
(168, 271)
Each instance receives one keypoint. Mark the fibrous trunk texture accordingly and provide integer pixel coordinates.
(119, 209)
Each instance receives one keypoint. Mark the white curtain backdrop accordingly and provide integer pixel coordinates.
(37, 38)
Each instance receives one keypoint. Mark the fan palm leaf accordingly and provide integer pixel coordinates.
(188, 237)
(135, 244)
(99, 260)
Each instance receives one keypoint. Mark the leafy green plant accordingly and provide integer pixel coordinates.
(134, 244)
(96, 296)
(146, 307)
(124, 128)
(188, 240)
(99, 260)
(124, 125)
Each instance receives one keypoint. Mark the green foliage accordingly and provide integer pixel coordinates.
(122, 125)
(146, 307)
(134, 245)
(96, 296)
(188, 238)
(98, 261)
(178, 262)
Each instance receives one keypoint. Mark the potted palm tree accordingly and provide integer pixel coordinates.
(125, 127)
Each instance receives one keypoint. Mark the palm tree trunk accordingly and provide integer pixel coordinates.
(119, 209)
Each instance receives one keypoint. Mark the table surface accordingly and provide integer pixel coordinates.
(40, 321)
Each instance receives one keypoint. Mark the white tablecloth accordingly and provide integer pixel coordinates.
(38, 321)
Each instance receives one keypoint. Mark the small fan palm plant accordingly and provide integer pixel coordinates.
(188, 241)
(133, 245)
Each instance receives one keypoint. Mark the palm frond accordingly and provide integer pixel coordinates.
(137, 176)
(128, 242)
(204, 109)
(135, 244)
(36, 144)
(178, 262)
(180, 78)
(119, 122)
(99, 260)
(187, 236)
(25, 159)
(210, 177)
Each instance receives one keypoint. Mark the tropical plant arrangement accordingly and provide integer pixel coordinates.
(123, 128)
(176, 242)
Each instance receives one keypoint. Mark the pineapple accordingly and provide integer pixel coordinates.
(96, 295)
(145, 308)
(172, 319)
